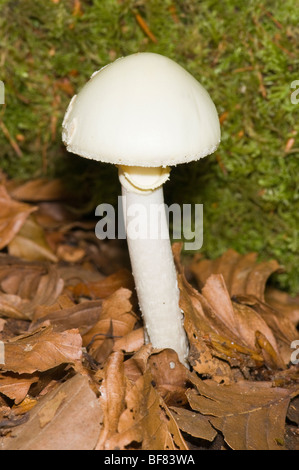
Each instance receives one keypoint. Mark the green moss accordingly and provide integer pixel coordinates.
(244, 53)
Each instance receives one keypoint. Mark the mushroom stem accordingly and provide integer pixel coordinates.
(154, 270)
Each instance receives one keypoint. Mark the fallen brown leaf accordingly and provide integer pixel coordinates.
(47, 413)
(284, 330)
(42, 350)
(214, 345)
(16, 386)
(169, 376)
(68, 418)
(284, 303)
(146, 420)
(242, 274)
(105, 287)
(30, 243)
(130, 342)
(26, 286)
(26, 405)
(193, 423)
(136, 365)
(239, 334)
(244, 322)
(293, 412)
(112, 399)
(251, 415)
(40, 189)
(13, 215)
(116, 320)
(82, 316)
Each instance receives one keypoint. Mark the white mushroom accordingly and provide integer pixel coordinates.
(145, 113)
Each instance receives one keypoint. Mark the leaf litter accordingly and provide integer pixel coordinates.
(77, 373)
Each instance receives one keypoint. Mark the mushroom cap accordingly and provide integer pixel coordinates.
(142, 110)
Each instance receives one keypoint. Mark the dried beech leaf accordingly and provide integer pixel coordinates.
(15, 386)
(285, 304)
(243, 321)
(250, 415)
(40, 189)
(136, 366)
(230, 332)
(215, 292)
(68, 418)
(116, 315)
(112, 399)
(11, 306)
(83, 316)
(56, 215)
(28, 287)
(26, 405)
(242, 274)
(49, 288)
(63, 302)
(105, 287)
(74, 274)
(30, 243)
(282, 327)
(12, 216)
(131, 342)
(42, 350)
(212, 341)
(193, 423)
(19, 277)
(169, 376)
(146, 420)
(47, 413)
(293, 412)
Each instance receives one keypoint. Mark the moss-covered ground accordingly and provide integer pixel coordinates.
(245, 53)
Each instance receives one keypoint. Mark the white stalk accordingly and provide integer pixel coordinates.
(154, 270)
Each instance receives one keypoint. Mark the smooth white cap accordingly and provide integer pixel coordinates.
(142, 110)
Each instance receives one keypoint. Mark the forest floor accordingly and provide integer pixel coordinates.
(75, 372)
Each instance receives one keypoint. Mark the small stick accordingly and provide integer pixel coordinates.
(143, 25)
(223, 117)
(173, 12)
(244, 69)
(11, 140)
(286, 51)
(258, 73)
(270, 15)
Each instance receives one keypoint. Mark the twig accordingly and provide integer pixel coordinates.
(145, 28)
(283, 49)
(221, 164)
(270, 15)
(173, 12)
(258, 72)
(11, 139)
(223, 117)
(244, 69)
(273, 40)
(12, 422)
